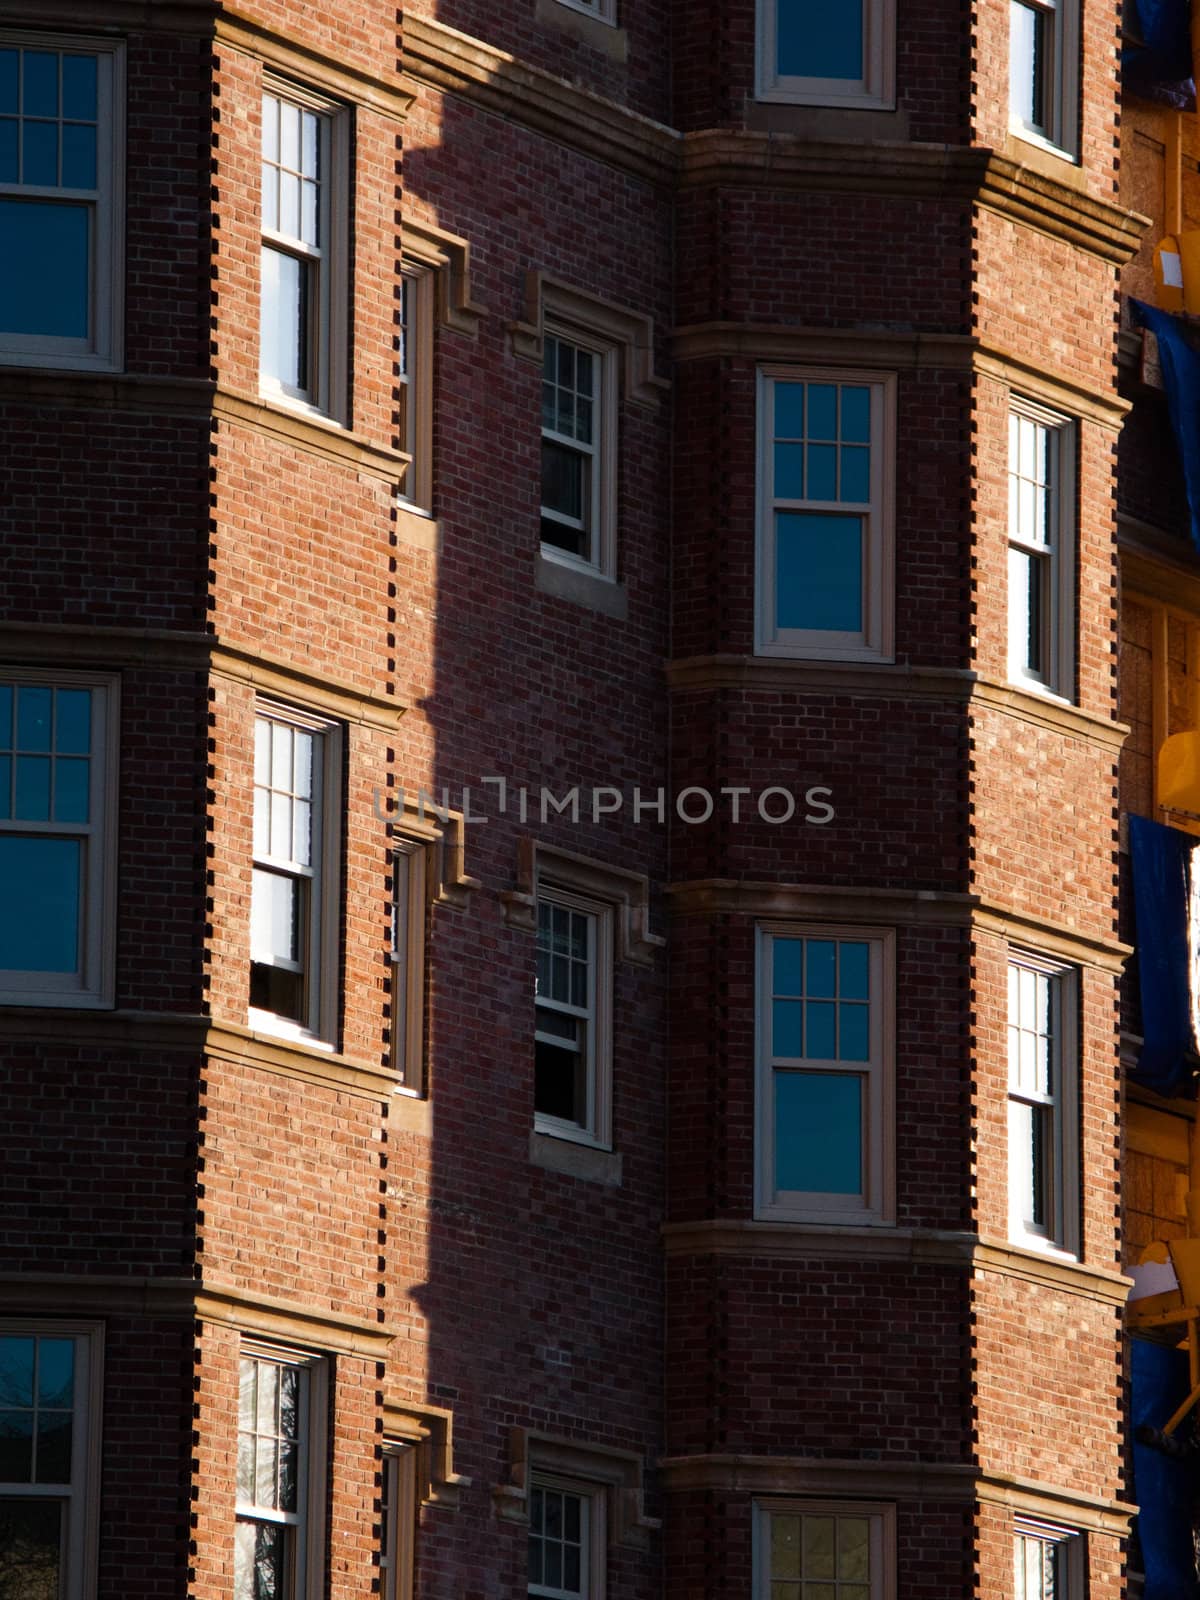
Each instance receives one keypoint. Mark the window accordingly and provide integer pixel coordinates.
(579, 424)
(1041, 1091)
(1048, 1562)
(280, 1494)
(825, 516)
(827, 55)
(416, 381)
(60, 202)
(57, 794)
(410, 902)
(1043, 47)
(302, 313)
(1040, 569)
(835, 1551)
(824, 1079)
(572, 1093)
(399, 1520)
(566, 1539)
(293, 927)
(605, 10)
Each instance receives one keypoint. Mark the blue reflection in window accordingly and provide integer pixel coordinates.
(33, 717)
(78, 156)
(820, 961)
(79, 87)
(8, 149)
(73, 722)
(71, 781)
(786, 1028)
(39, 157)
(818, 571)
(33, 788)
(854, 1032)
(45, 271)
(818, 1132)
(856, 415)
(8, 81)
(856, 474)
(787, 959)
(817, 40)
(41, 878)
(6, 695)
(822, 411)
(820, 1023)
(41, 83)
(854, 970)
(789, 471)
(789, 410)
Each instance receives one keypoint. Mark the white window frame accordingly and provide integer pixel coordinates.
(599, 523)
(306, 1579)
(398, 1521)
(1055, 555)
(601, 10)
(595, 1128)
(320, 942)
(1069, 1554)
(876, 640)
(417, 314)
(594, 1545)
(82, 1496)
(1059, 1174)
(882, 1539)
(103, 351)
(328, 330)
(1059, 77)
(877, 1204)
(875, 90)
(92, 984)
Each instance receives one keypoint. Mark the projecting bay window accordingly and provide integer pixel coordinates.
(1041, 595)
(578, 453)
(49, 1459)
(825, 560)
(293, 929)
(60, 202)
(302, 306)
(824, 1095)
(822, 55)
(280, 1456)
(57, 803)
(1043, 47)
(1042, 1072)
(572, 1093)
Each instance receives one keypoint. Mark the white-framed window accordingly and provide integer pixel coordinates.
(572, 1095)
(293, 907)
(603, 10)
(827, 55)
(824, 1098)
(302, 312)
(1048, 1561)
(410, 914)
(567, 1537)
(398, 1522)
(1041, 543)
(579, 434)
(824, 1550)
(1043, 1180)
(61, 199)
(58, 768)
(1043, 72)
(415, 361)
(825, 556)
(280, 1476)
(50, 1391)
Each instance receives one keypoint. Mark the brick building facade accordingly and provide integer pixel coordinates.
(560, 1018)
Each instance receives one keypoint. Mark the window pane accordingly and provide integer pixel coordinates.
(785, 1547)
(284, 316)
(818, 572)
(42, 877)
(822, 411)
(822, 472)
(819, 1557)
(787, 956)
(260, 1562)
(856, 475)
(818, 1132)
(71, 779)
(789, 472)
(72, 722)
(820, 964)
(559, 1082)
(789, 410)
(53, 1447)
(34, 713)
(39, 154)
(275, 917)
(16, 1371)
(787, 1024)
(56, 1372)
(33, 788)
(563, 473)
(31, 1538)
(8, 81)
(45, 271)
(853, 1545)
(40, 83)
(856, 415)
(854, 1033)
(816, 40)
(1027, 43)
(16, 1446)
(819, 1029)
(78, 156)
(79, 87)
(8, 150)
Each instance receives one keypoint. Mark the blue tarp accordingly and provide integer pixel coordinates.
(1160, 68)
(1165, 1490)
(1161, 897)
(1181, 380)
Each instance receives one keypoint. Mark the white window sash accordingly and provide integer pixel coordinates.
(596, 1125)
